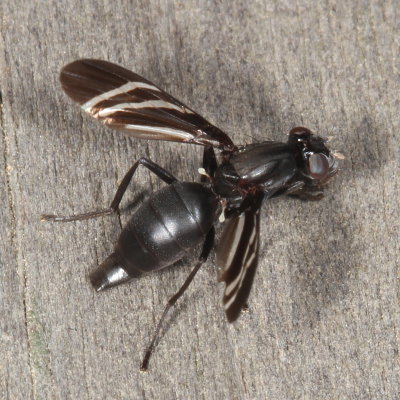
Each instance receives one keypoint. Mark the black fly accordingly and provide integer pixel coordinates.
(181, 215)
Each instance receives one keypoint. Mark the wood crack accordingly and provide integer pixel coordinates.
(13, 231)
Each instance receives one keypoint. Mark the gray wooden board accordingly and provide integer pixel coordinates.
(324, 311)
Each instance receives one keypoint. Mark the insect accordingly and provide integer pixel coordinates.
(181, 215)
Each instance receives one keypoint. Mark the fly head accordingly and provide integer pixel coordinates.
(315, 160)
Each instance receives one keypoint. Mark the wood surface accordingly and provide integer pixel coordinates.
(324, 317)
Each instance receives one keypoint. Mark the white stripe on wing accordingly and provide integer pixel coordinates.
(144, 104)
(237, 235)
(156, 129)
(248, 258)
(122, 89)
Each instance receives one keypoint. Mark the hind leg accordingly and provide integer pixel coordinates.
(153, 167)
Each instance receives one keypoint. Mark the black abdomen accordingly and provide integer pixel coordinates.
(165, 227)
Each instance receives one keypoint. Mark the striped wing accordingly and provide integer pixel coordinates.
(237, 255)
(127, 102)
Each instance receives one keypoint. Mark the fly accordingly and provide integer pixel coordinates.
(181, 215)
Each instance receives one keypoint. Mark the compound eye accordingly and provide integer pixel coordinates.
(318, 165)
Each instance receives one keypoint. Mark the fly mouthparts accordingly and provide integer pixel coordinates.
(338, 155)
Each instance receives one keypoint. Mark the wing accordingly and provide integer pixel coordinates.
(237, 255)
(127, 102)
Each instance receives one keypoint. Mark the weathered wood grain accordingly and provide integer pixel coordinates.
(324, 313)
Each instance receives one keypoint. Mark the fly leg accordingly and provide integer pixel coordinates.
(114, 207)
(307, 193)
(209, 164)
(207, 246)
(302, 191)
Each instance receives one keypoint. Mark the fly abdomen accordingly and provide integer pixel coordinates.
(164, 228)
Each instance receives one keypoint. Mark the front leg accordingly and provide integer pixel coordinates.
(291, 189)
(307, 192)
